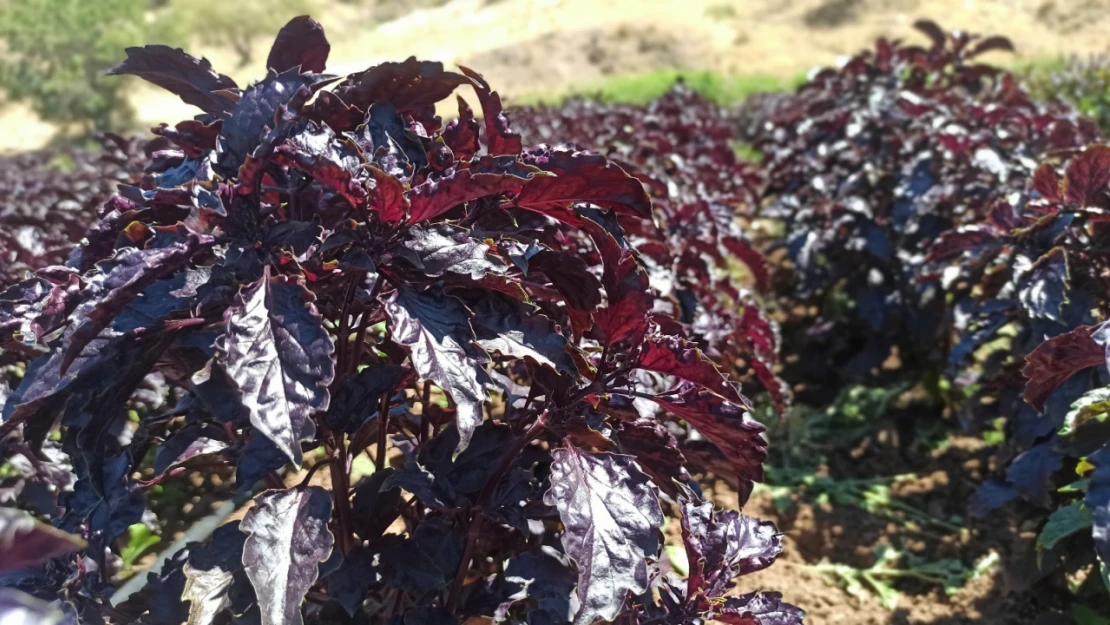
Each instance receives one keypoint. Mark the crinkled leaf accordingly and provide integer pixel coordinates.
(1044, 288)
(543, 580)
(499, 138)
(442, 480)
(437, 249)
(461, 134)
(107, 500)
(727, 425)
(122, 280)
(675, 356)
(1087, 175)
(191, 79)
(582, 177)
(25, 542)
(570, 276)
(288, 539)
(412, 86)
(300, 43)
(722, 545)
(436, 329)
(655, 449)
(1056, 360)
(254, 112)
(630, 299)
(514, 329)
(484, 177)
(611, 517)
(210, 573)
(279, 354)
(759, 608)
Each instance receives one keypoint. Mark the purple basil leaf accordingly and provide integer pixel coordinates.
(375, 506)
(1043, 288)
(121, 281)
(655, 449)
(411, 86)
(991, 496)
(611, 517)
(1031, 473)
(544, 581)
(509, 503)
(300, 43)
(210, 573)
(478, 179)
(108, 501)
(672, 355)
(514, 329)
(280, 356)
(21, 608)
(259, 457)
(426, 561)
(187, 444)
(440, 479)
(288, 539)
(461, 134)
(161, 595)
(436, 329)
(347, 584)
(729, 426)
(758, 608)
(358, 397)
(25, 542)
(499, 138)
(570, 276)
(254, 112)
(191, 79)
(436, 249)
(721, 545)
(582, 177)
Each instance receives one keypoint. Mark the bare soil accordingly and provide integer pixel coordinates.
(941, 484)
(529, 47)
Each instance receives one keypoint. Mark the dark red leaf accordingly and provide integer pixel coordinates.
(1087, 175)
(672, 355)
(411, 86)
(300, 43)
(752, 259)
(461, 135)
(581, 177)
(484, 177)
(1056, 360)
(436, 329)
(190, 78)
(499, 138)
(729, 426)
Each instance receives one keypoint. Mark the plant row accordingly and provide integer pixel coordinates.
(307, 278)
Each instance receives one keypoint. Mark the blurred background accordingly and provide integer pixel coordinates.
(54, 52)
